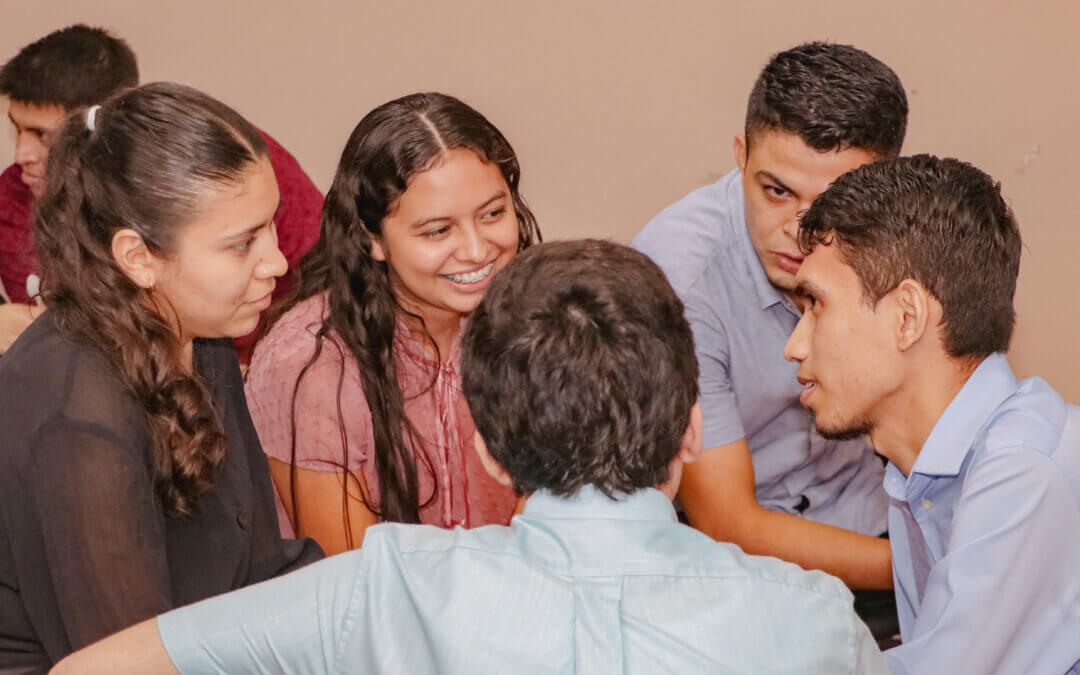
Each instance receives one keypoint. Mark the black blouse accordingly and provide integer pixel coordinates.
(85, 547)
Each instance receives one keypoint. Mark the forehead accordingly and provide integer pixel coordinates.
(39, 116)
(824, 272)
(458, 181)
(231, 209)
(788, 157)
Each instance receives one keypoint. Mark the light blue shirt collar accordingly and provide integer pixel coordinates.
(591, 504)
(952, 438)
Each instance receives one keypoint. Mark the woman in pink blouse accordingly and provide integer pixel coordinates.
(355, 390)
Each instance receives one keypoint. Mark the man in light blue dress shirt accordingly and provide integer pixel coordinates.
(766, 481)
(910, 276)
(580, 373)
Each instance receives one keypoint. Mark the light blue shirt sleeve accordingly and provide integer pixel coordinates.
(296, 623)
(1003, 597)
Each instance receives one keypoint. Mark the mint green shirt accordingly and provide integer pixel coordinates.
(581, 585)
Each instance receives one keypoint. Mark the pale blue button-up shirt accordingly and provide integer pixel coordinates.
(582, 585)
(986, 533)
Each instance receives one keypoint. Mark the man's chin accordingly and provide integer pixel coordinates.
(845, 432)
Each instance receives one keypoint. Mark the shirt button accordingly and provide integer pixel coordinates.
(927, 504)
(242, 521)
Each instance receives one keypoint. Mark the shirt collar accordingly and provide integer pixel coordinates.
(591, 504)
(951, 439)
(767, 294)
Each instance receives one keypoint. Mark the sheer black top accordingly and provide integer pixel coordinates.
(85, 547)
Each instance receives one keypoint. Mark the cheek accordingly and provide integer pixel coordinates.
(505, 236)
(764, 219)
(222, 283)
(417, 259)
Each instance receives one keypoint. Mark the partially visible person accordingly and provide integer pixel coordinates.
(131, 478)
(766, 481)
(910, 274)
(579, 369)
(356, 390)
(81, 66)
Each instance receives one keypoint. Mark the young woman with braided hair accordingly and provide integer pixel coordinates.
(131, 478)
(355, 390)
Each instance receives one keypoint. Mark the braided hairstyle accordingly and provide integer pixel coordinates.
(144, 160)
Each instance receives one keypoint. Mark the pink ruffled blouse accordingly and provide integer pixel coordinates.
(452, 481)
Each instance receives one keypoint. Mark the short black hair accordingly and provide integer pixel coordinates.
(71, 67)
(941, 222)
(831, 96)
(579, 369)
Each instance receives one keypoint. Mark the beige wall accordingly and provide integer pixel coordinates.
(618, 108)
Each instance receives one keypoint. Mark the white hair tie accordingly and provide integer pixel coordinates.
(91, 116)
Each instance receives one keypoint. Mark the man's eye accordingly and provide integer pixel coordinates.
(777, 192)
(243, 246)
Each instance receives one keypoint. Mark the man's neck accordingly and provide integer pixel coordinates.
(906, 420)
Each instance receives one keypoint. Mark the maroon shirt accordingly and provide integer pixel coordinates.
(297, 225)
(17, 258)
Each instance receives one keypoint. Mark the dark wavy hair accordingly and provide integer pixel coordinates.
(148, 164)
(831, 96)
(70, 67)
(941, 222)
(579, 369)
(388, 147)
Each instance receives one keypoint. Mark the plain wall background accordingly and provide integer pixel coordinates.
(618, 108)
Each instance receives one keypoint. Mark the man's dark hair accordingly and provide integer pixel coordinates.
(71, 67)
(579, 369)
(831, 96)
(941, 222)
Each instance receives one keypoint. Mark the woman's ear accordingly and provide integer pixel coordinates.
(377, 252)
(134, 257)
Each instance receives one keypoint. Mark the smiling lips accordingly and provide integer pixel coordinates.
(472, 277)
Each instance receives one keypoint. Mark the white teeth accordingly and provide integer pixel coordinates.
(472, 277)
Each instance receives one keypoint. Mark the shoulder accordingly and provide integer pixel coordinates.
(708, 558)
(1034, 417)
(1032, 439)
(49, 382)
(292, 341)
(43, 353)
(428, 542)
(686, 237)
(293, 358)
